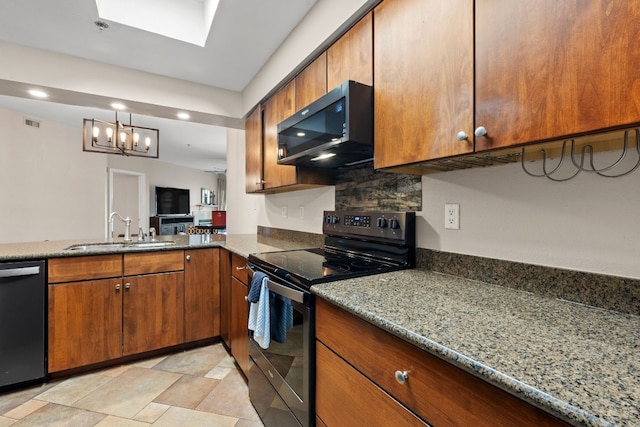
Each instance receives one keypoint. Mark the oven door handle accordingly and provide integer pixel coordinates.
(292, 294)
(285, 291)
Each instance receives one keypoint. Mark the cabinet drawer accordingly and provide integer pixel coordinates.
(440, 393)
(239, 268)
(337, 383)
(75, 269)
(153, 262)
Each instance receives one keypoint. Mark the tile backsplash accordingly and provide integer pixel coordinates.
(363, 188)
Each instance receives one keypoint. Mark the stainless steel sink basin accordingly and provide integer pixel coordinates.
(118, 245)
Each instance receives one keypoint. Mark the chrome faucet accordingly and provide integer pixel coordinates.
(141, 237)
(152, 234)
(127, 225)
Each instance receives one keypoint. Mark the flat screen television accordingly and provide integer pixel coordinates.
(172, 201)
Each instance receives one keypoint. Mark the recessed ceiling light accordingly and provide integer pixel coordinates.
(118, 106)
(38, 93)
(183, 116)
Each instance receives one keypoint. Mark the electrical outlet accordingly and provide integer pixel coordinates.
(284, 212)
(452, 216)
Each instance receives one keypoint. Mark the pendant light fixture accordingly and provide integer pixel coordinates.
(120, 138)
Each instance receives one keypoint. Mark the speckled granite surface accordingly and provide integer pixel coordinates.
(600, 290)
(578, 362)
(242, 244)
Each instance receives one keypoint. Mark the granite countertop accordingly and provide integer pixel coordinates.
(242, 244)
(578, 362)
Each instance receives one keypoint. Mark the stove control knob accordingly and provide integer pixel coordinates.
(327, 219)
(382, 223)
(394, 224)
(335, 219)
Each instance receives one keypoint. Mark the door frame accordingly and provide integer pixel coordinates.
(143, 199)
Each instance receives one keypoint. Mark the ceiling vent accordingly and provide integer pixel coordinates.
(32, 123)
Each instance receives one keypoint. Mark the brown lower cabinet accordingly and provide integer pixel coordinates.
(133, 303)
(356, 382)
(238, 328)
(85, 323)
(153, 312)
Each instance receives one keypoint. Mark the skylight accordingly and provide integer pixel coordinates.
(185, 20)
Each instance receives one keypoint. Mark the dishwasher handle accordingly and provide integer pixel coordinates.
(21, 271)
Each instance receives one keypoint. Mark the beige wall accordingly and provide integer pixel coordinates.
(51, 190)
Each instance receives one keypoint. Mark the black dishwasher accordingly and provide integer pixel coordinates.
(22, 323)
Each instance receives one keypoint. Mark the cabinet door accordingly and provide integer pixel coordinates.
(85, 323)
(225, 295)
(423, 92)
(547, 69)
(311, 83)
(351, 56)
(346, 398)
(253, 151)
(278, 107)
(239, 333)
(201, 294)
(153, 312)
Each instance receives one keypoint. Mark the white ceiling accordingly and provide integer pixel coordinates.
(243, 36)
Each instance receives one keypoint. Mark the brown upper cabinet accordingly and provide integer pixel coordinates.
(544, 71)
(311, 83)
(351, 56)
(549, 69)
(253, 151)
(264, 174)
(423, 92)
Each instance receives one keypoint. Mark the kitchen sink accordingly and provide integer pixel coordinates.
(119, 245)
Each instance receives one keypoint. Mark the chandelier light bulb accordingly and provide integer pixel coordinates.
(123, 138)
(147, 143)
(96, 133)
(136, 138)
(109, 133)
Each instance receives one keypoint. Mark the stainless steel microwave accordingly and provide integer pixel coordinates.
(334, 131)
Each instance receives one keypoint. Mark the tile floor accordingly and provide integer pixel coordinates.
(199, 387)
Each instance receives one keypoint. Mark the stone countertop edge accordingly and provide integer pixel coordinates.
(241, 244)
(352, 296)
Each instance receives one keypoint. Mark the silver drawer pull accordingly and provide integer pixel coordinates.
(402, 376)
(241, 268)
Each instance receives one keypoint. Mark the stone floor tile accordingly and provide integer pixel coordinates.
(151, 412)
(6, 422)
(149, 363)
(53, 415)
(129, 393)
(195, 362)
(219, 372)
(248, 423)
(189, 417)
(111, 421)
(12, 399)
(25, 409)
(73, 389)
(187, 392)
(230, 397)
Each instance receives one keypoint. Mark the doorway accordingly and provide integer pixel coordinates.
(127, 195)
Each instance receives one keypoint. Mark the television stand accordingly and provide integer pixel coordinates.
(167, 225)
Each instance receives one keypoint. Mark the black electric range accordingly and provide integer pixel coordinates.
(355, 244)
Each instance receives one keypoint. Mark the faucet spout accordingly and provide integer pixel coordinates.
(127, 225)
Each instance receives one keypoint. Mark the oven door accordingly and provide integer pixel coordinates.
(285, 367)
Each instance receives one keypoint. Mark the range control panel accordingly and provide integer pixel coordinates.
(391, 226)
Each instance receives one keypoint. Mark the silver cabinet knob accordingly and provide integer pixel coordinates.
(127, 285)
(241, 268)
(480, 131)
(246, 299)
(402, 376)
(117, 286)
(188, 257)
(462, 136)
